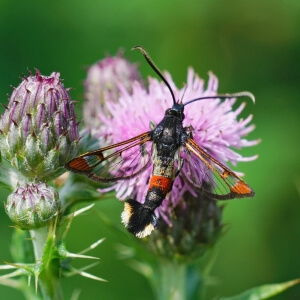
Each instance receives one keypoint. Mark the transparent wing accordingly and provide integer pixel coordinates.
(116, 162)
(201, 168)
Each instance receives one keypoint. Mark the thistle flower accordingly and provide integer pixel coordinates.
(102, 82)
(32, 205)
(38, 131)
(215, 125)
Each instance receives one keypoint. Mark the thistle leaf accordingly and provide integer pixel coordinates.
(264, 291)
(93, 246)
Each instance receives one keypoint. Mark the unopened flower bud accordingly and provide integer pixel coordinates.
(103, 82)
(196, 225)
(32, 205)
(38, 131)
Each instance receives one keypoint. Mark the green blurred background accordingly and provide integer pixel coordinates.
(250, 45)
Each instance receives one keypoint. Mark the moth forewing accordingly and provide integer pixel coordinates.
(224, 183)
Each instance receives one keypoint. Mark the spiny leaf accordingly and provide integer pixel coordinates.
(36, 282)
(64, 253)
(12, 274)
(93, 246)
(10, 282)
(85, 274)
(264, 292)
(70, 217)
(24, 268)
(69, 274)
(7, 267)
(74, 255)
(49, 250)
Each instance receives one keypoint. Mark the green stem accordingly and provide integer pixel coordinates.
(171, 285)
(48, 280)
(39, 238)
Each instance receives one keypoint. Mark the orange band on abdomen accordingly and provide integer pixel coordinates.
(162, 183)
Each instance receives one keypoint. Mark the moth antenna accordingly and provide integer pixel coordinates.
(185, 88)
(224, 96)
(155, 68)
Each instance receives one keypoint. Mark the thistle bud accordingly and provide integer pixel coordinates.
(103, 82)
(196, 225)
(32, 205)
(38, 131)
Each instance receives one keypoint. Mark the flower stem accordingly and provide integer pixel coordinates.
(48, 279)
(39, 237)
(172, 281)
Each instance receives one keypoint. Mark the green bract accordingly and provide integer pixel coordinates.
(32, 205)
(39, 133)
(196, 225)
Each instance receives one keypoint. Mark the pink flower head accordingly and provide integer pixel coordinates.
(216, 128)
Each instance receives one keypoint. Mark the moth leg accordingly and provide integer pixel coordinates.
(152, 125)
(143, 150)
(180, 162)
(189, 131)
(180, 165)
